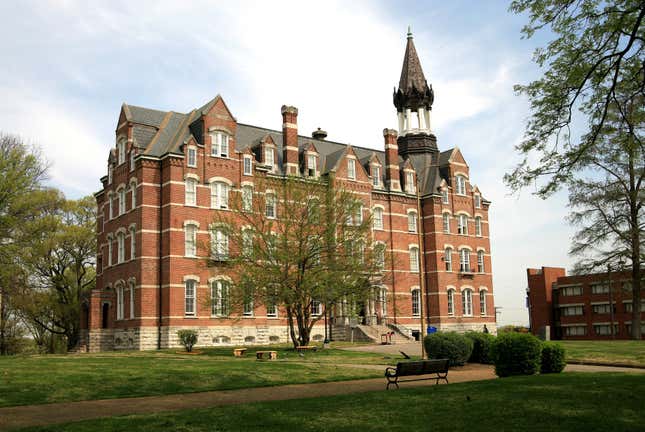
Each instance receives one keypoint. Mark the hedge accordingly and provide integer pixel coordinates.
(552, 358)
(453, 346)
(516, 354)
(481, 347)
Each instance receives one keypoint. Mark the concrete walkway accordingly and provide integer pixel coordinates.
(48, 414)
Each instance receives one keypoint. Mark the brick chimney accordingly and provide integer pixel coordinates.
(392, 177)
(290, 139)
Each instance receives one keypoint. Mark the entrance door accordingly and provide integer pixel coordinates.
(104, 315)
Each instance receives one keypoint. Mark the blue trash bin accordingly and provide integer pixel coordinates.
(431, 329)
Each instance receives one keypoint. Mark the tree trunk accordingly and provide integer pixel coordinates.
(635, 248)
(3, 323)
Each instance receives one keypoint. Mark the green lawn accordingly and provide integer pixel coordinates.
(40, 379)
(564, 402)
(623, 351)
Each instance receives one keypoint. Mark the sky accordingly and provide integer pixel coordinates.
(67, 66)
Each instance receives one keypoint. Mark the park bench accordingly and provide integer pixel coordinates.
(268, 355)
(438, 368)
(386, 338)
(239, 352)
(307, 348)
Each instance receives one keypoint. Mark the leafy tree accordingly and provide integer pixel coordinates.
(315, 251)
(22, 202)
(594, 71)
(61, 268)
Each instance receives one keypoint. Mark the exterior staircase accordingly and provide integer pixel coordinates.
(370, 333)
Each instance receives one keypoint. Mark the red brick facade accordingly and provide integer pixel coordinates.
(161, 182)
(578, 307)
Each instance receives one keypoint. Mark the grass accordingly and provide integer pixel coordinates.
(563, 402)
(620, 351)
(39, 379)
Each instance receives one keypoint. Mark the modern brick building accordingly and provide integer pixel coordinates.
(580, 307)
(170, 172)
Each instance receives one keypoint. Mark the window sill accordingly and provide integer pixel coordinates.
(248, 317)
(190, 205)
(190, 317)
(272, 317)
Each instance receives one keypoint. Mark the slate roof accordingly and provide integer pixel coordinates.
(161, 132)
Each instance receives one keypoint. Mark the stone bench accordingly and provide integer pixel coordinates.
(266, 355)
(239, 352)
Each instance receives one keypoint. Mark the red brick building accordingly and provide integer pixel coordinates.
(170, 172)
(580, 307)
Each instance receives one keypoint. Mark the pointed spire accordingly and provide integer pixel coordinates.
(413, 87)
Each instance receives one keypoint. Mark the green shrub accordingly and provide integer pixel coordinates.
(188, 338)
(453, 346)
(552, 358)
(481, 347)
(516, 354)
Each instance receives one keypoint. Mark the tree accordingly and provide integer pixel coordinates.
(303, 247)
(594, 72)
(61, 268)
(22, 201)
(608, 207)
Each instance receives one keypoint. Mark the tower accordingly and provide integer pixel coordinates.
(413, 101)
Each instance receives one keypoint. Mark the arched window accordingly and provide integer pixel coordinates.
(133, 190)
(247, 198)
(461, 185)
(478, 226)
(377, 218)
(414, 259)
(191, 192)
(447, 258)
(190, 297)
(480, 261)
(467, 302)
(109, 251)
(464, 260)
(219, 195)
(219, 245)
(446, 222)
(412, 221)
(133, 243)
(416, 302)
(220, 301)
(190, 240)
(119, 302)
(132, 299)
(482, 302)
(451, 301)
(462, 224)
(111, 204)
(122, 201)
(270, 205)
(120, 238)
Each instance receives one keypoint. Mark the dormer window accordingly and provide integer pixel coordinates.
(312, 165)
(110, 173)
(409, 182)
(121, 150)
(192, 157)
(132, 155)
(351, 169)
(444, 196)
(376, 175)
(460, 185)
(478, 201)
(248, 165)
(269, 160)
(219, 146)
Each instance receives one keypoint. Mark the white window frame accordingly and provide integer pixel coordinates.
(464, 260)
(447, 258)
(416, 302)
(270, 210)
(269, 157)
(272, 309)
(380, 255)
(219, 195)
(247, 165)
(191, 157)
(219, 244)
(409, 182)
(133, 154)
(121, 201)
(110, 173)
(480, 262)
(467, 302)
(190, 190)
(376, 175)
(312, 164)
(316, 307)
(121, 146)
(190, 297)
(445, 199)
(377, 218)
(382, 300)
(110, 251)
(247, 198)
(478, 201)
(132, 286)
(451, 301)
(220, 298)
(414, 259)
(133, 242)
(445, 219)
(120, 239)
(460, 183)
(462, 224)
(412, 221)
(351, 169)
(247, 307)
(111, 200)
(133, 197)
(220, 144)
(478, 226)
(482, 302)
(190, 240)
(247, 242)
(120, 309)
